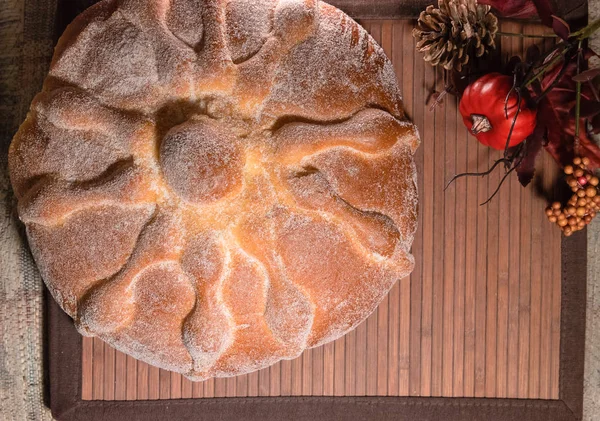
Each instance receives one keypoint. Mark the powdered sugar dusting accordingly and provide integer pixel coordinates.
(214, 185)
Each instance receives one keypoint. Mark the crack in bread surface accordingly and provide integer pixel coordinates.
(250, 134)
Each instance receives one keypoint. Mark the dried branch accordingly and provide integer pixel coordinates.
(475, 174)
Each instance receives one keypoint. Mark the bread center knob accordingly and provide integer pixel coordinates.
(201, 161)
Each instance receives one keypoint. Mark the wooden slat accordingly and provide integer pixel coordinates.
(472, 204)
(296, 377)
(198, 390)
(307, 373)
(538, 228)
(153, 382)
(427, 221)
(209, 388)
(131, 379)
(460, 242)
(286, 378)
(339, 367)
(491, 314)
(479, 315)
(109, 372)
(480, 300)
(241, 386)
(317, 371)
(263, 381)
(437, 301)
(328, 368)
(412, 323)
(546, 306)
(253, 384)
(371, 356)
(142, 381)
(220, 387)
(231, 387)
(175, 390)
(120, 376)
(187, 388)
(87, 355)
(349, 366)
(450, 203)
(98, 369)
(164, 387)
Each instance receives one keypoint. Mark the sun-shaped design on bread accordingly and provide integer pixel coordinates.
(212, 186)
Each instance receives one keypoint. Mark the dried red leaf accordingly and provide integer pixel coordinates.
(533, 145)
(558, 122)
(588, 53)
(545, 11)
(595, 122)
(560, 27)
(513, 64)
(513, 8)
(523, 9)
(533, 54)
(587, 109)
(587, 75)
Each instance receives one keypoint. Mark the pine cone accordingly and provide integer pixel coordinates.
(458, 29)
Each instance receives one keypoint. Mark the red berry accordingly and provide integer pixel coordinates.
(582, 181)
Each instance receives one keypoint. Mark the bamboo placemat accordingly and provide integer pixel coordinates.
(480, 315)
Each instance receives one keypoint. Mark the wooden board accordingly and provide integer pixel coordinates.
(479, 317)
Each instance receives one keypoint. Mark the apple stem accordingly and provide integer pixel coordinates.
(481, 124)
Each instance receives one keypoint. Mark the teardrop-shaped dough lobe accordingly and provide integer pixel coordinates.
(249, 23)
(74, 137)
(375, 231)
(208, 330)
(184, 20)
(126, 63)
(362, 183)
(215, 72)
(305, 147)
(343, 283)
(263, 47)
(74, 256)
(51, 201)
(110, 306)
(163, 296)
(288, 312)
(370, 131)
(97, 12)
(321, 78)
(244, 293)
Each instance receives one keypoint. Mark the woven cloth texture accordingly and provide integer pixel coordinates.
(26, 42)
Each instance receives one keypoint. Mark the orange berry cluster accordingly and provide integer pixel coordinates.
(583, 205)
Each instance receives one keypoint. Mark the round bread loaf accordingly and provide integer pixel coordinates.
(214, 185)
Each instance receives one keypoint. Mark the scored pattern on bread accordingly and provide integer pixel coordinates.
(212, 186)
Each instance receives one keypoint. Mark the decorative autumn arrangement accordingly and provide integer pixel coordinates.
(541, 101)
